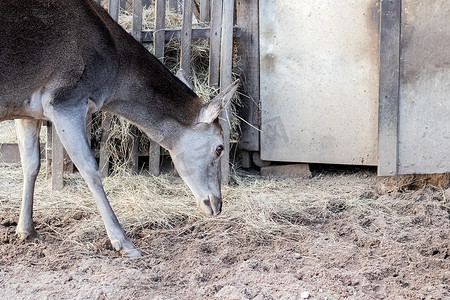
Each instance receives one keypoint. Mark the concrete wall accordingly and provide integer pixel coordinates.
(319, 80)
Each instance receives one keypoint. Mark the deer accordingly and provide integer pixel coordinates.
(64, 59)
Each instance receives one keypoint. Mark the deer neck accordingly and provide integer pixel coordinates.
(154, 100)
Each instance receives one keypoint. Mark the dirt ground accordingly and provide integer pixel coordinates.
(344, 234)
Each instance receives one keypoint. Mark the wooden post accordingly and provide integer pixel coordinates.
(158, 42)
(205, 10)
(88, 128)
(214, 42)
(57, 162)
(48, 150)
(226, 66)
(159, 34)
(103, 164)
(248, 47)
(113, 10)
(173, 5)
(186, 36)
(136, 32)
(137, 20)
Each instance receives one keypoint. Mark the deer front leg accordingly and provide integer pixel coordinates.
(70, 127)
(28, 136)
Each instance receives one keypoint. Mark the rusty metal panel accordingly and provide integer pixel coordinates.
(319, 80)
(424, 107)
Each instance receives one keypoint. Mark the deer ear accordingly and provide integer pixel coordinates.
(181, 74)
(211, 111)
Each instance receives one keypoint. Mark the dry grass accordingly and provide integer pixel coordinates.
(8, 132)
(256, 210)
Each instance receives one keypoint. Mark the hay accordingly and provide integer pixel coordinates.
(256, 210)
(8, 132)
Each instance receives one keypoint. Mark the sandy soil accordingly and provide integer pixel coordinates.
(371, 239)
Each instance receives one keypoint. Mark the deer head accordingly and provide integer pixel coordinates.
(197, 153)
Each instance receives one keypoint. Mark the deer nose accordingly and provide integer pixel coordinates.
(211, 206)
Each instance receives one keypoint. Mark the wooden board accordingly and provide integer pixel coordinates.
(186, 36)
(226, 65)
(10, 155)
(248, 47)
(214, 42)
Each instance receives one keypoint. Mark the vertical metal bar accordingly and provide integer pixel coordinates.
(226, 67)
(388, 109)
(214, 40)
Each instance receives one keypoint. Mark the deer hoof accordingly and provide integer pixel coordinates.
(126, 248)
(28, 235)
(131, 253)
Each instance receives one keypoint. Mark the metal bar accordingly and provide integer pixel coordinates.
(388, 109)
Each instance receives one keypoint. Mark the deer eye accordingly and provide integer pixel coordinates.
(219, 150)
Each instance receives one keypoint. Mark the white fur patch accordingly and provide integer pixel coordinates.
(35, 107)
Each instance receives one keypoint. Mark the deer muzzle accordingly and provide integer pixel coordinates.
(211, 206)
